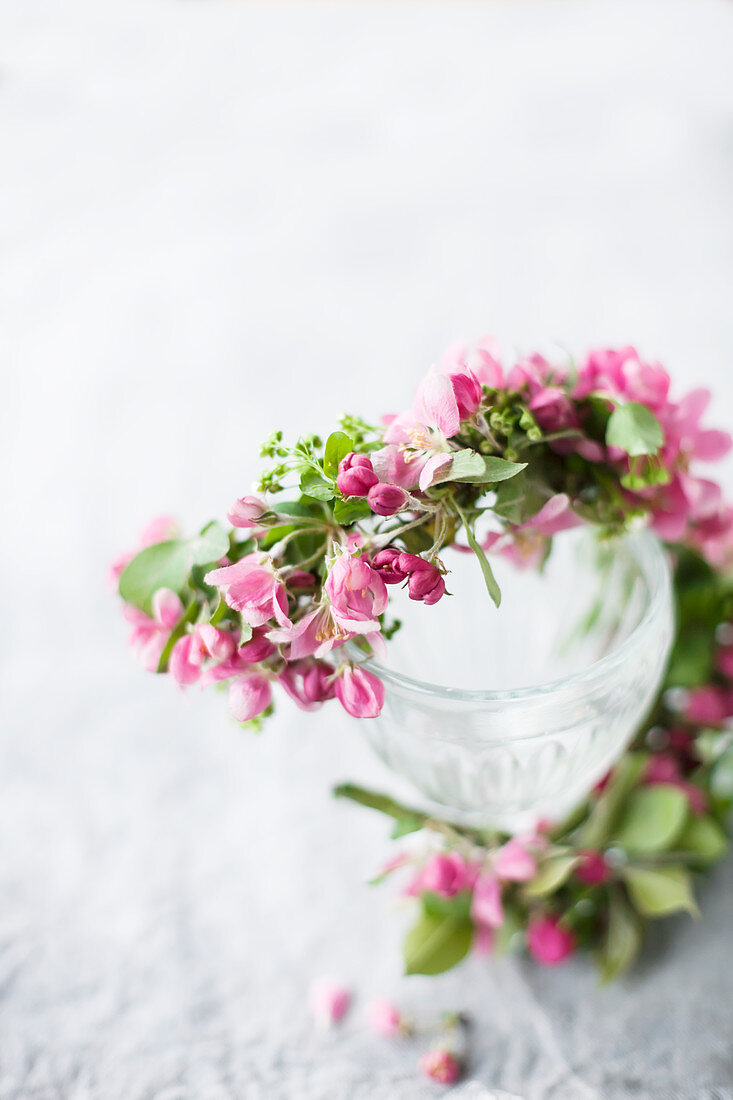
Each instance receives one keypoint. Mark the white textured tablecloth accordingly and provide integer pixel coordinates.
(222, 217)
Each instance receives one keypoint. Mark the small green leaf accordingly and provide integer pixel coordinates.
(210, 545)
(622, 939)
(459, 906)
(346, 512)
(338, 445)
(313, 485)
(704, 838)
(653, 819)
(489, 578)
(657, 891)
(551, 875)
(634, 429)
(436, 944)
(464, 464)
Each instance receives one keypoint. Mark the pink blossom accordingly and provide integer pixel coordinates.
(441, 1065)
(386, 563)
(385, 500)
(483, 360)
(514, 862)
(707, 706)
(417, 448)
(548, 942)
(246, 512)
(249, 696)
(526, 543)
(484, 939)
(252, 587)
(329, 1001)
(257, 648)
(445, 873)
(486, 905)
(425, 581)
(356, 593)
(360, 692)
(592, 868)
(183, 670)
(356, 475)
(308, 683)
(299, 578)
(662, 768)
(385, 1018)
(724, 661)
(149, 634)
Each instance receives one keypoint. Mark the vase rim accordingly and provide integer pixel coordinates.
(653, 563)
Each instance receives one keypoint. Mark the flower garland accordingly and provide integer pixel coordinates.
(504, 459)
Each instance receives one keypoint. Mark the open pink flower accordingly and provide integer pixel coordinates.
(150, 633)
(359, 692)
(445, 873)
(417, 450)
(357, 594)
(252, 587)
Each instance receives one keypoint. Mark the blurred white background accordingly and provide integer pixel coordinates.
(220, 217)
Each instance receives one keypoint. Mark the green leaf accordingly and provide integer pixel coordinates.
(210, 545)
(338, 445)
(489, 578)
(436, 944)
(607, 808)
(465, 464)
(459, 906)
(410, 823)
(622, 939)
(657, 891)
(346, 512)
(551, 875)
(721, 777)
(313, 485)
(496, 470)
(634, 429)
(704, 838)
(165, 565)
(653, 819)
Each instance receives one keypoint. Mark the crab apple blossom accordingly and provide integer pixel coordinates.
(356, 475)
(385, 1018)
(246, 512)
(359, 692)
(385, 500)
(329, 1000)
(249, 695)
(425, 582)
(548, 942)
(253, 588)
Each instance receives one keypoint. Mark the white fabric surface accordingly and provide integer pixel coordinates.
(222, 217)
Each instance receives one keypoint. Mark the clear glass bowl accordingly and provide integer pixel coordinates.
(504, 717)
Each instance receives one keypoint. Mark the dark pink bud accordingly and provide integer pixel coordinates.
(468, 393)
(592, 868)
(426, 585)
(301, 579)
(385, 562)
(548, 942)
(663, 768)
(356, 475)
(317, 683)
(258, 648)
(385, 500)
(441, 1065)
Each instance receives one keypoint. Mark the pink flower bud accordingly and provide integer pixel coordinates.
(549, 943)
(385, 500)
(386, 563)
(385, 1018)
(258, 648)
(300, 579)
(707, 706)
(425, 581)
(592, 868)
(662, 768)
(468, 393)
(725, 661)
(181, 667)
(442, 1065)
(445, 874)
(356, 475)
(514, 862)
(249, 696)
(360, 692)
(246, 512)
(329, 1001)
(317, 683)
